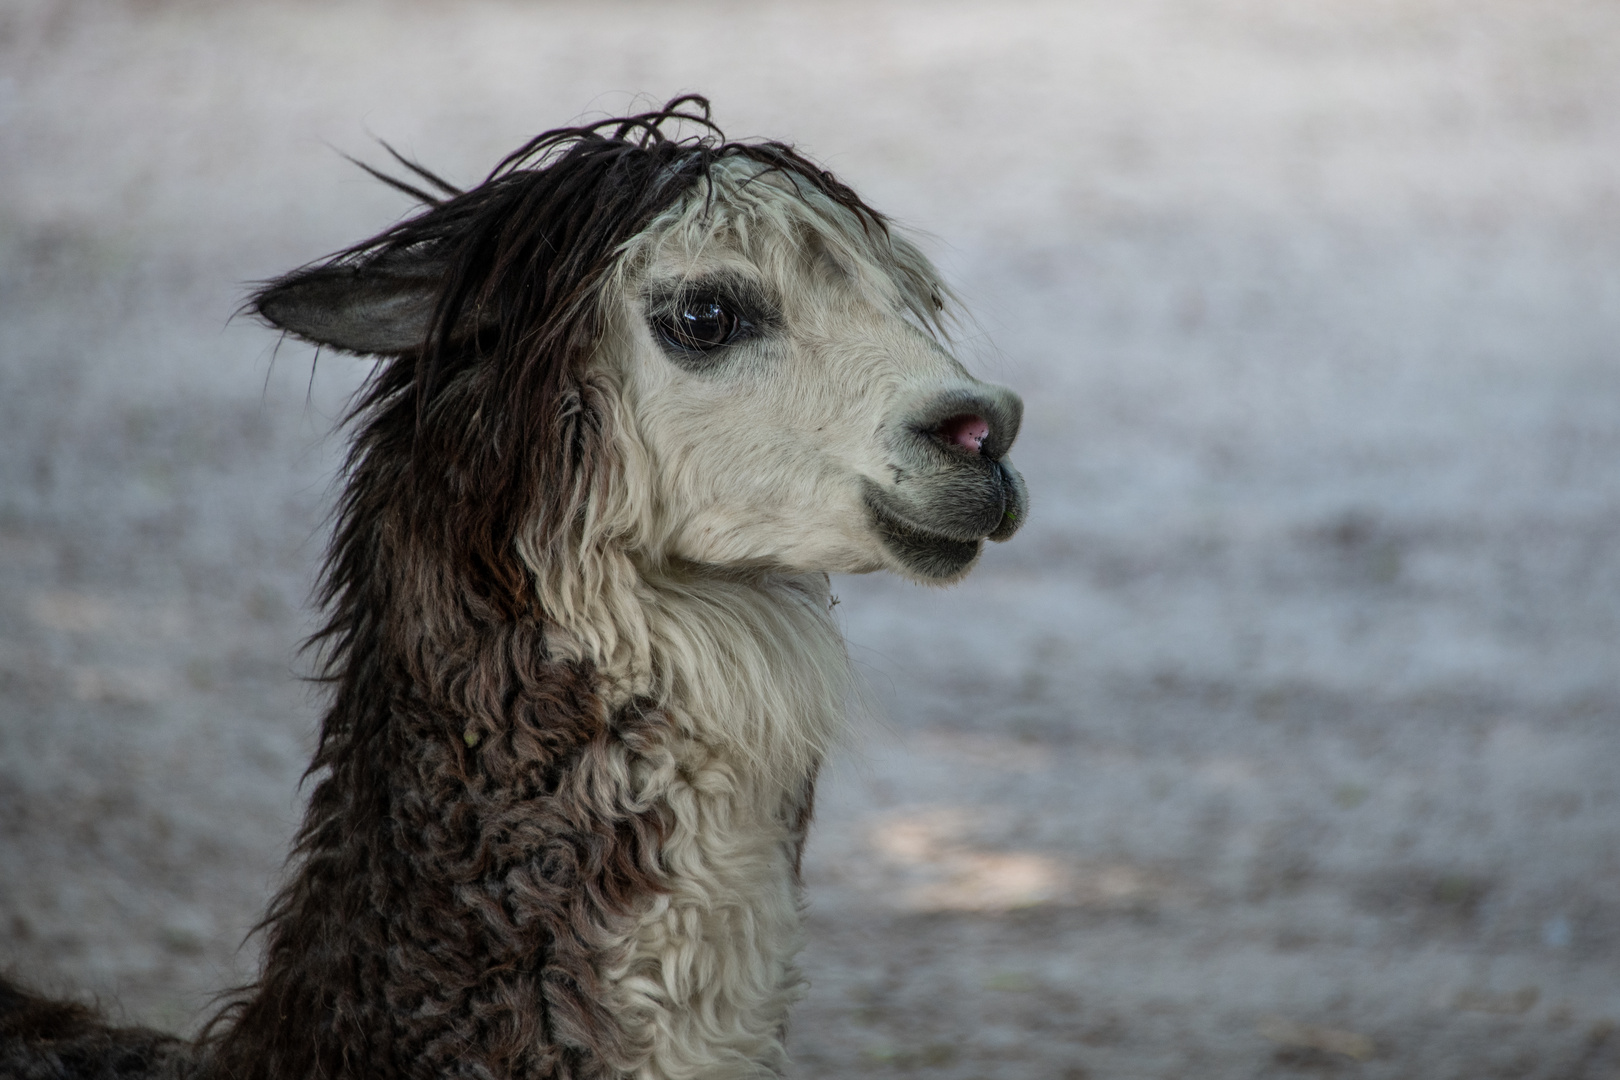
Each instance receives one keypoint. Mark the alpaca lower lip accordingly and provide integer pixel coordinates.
(927, 553)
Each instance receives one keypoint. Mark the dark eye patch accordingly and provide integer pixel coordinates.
(698, 320)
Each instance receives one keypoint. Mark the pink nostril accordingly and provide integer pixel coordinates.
(968, 432)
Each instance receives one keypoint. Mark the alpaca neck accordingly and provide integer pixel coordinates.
(749, 675)
(748, 660)
(518, 819)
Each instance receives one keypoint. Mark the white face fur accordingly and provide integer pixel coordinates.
(782, 408)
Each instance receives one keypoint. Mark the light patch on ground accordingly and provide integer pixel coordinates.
(937, 866)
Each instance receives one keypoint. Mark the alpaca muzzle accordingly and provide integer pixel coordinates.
(953, 487)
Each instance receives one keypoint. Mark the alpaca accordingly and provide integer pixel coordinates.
(636, 396)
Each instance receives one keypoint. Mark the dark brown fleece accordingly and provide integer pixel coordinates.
(451, 900)
(58, 1040)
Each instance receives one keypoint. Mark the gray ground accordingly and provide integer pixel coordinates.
(1282, 743)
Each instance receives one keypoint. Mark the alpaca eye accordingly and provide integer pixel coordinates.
(700, 325)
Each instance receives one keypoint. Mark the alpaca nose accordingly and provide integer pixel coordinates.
(968, 432)
(982, 421)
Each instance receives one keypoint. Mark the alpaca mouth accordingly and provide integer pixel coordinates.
(921, 550)
(961, 512)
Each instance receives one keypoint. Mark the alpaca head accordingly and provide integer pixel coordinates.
(703, 352)
(783, 393)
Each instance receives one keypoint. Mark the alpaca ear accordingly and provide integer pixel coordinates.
(383, 306)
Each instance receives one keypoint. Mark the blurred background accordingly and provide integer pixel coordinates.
(1283, 742)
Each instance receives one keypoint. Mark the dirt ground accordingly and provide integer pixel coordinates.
(1284, 742)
